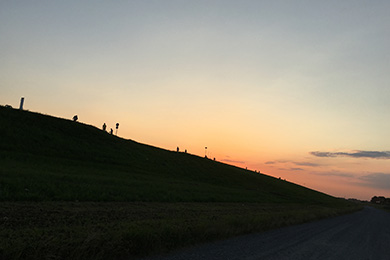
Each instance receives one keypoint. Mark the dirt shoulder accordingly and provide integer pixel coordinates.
(360, 235)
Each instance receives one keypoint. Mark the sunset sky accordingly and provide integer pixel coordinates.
(296, 89)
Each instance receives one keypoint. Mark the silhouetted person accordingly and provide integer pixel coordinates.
(177, 149)
(75, 118)
(104, 127)
(111, 131)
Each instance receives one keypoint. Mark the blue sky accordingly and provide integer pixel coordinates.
(262, 84)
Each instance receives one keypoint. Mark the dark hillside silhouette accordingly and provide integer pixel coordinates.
(56, 159)
(61, 180)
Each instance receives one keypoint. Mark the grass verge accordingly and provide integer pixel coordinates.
(90, 230)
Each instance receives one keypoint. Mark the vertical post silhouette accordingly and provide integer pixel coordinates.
(21, 103)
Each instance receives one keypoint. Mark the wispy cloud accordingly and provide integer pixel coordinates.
(307, 164)
(334, 173)
(355, 154)
(372, 180)
(296, 169)
(232, 161)
(377, 180)
(270, 162)
(277, 161)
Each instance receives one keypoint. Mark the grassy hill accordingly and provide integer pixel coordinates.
(51, 159)
(71, 191)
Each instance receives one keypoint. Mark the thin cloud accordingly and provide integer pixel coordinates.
(277, 162)
(323, 154)
(296, 169)
(307, 164)
(377, 180)
(270, 162)
(337, 174)
(372, 180)
(291, 169)
(355, 154)
(232, 161)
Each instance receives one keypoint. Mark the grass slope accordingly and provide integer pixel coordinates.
(71, 191)
(45, 158)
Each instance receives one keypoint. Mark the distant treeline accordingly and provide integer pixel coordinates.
(380, 200)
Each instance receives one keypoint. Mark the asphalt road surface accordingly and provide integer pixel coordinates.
(361, 235)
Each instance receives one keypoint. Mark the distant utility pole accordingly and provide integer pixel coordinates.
(21, 103)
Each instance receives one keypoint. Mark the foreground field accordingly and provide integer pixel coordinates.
(86, 230)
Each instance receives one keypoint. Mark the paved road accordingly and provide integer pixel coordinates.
(361, 235)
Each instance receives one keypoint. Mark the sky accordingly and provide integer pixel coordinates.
(296, 89)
